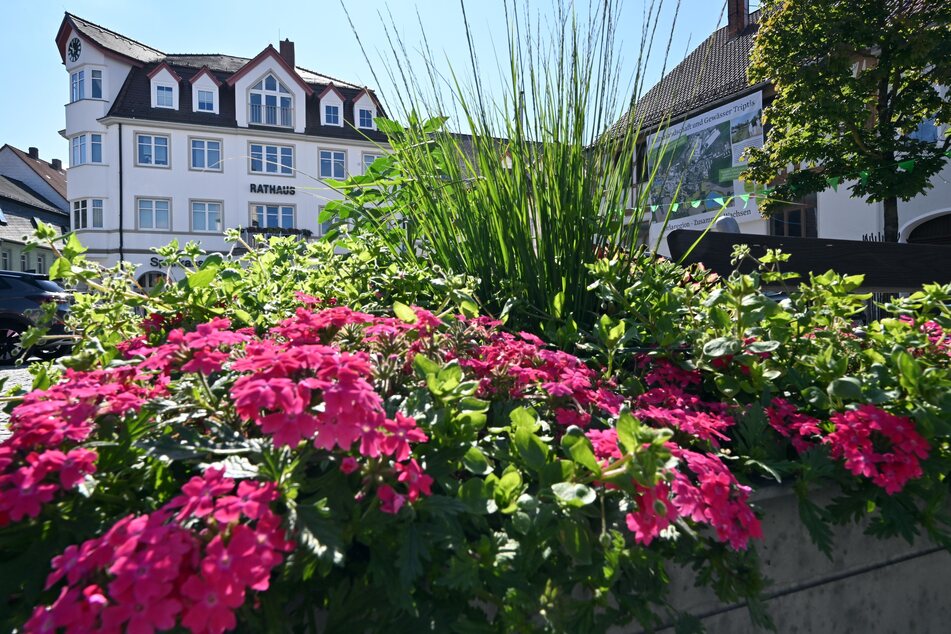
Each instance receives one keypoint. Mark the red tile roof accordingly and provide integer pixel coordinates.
(55, 178)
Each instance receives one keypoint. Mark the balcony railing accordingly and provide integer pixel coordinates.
(259, 114)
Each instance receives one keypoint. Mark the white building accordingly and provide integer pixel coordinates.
(710, 87)
(184, 146)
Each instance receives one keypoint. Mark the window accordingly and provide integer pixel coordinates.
(153, 213)
(331, 115)
(271, 103)
(40, 263)
(5, 260)
(366, 118)
(332, 164)
(368, 161)
(324, 226)
(206, 154)
(79, 150)
(206, 216)
(206, 101)
(81, 216)
(272, 159)
(273, 216)
(798, 222)
(77, 86)
(163, 97)
(152, 149)
(24, 261)
(96, 87)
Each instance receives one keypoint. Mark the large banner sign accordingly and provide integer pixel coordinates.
(698, 164)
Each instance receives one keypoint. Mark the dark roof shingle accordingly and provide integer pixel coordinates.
(55, 177)
(712, 72)
(15, 190)
(120, 44)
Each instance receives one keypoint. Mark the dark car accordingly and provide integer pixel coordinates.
(22, 296)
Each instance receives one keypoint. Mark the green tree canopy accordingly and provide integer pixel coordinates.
(854, 79)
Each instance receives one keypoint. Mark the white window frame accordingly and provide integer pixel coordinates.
(40, 263)
(78, 153)
(333, 160)
(152, 163)
(205, 141)
(366, 164)
(171, 91)
(279, 93)
(191, 215)
(77, 86)
(198, 101)
(87, 213)
(335, 119)
(138, 213)
(262, 155)
(370, 125)
(93, 79)
(281, 207)
(24, 261)
(5, 256)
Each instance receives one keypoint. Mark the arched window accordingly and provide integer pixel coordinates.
(151, 279)
(934, 231)
(271, 103)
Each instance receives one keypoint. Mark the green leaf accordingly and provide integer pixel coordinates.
(531, 448)
(628, 430)
(576, 540)
(469, 308)
(202, 278)
(404, 313)
(580, 449)
(721, 346)
(847, 388)
(524, 417)
(59, 269)
(574, 493)
(758, 347)
(475, 462)
(425, 366)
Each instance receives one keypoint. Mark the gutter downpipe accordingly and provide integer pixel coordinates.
(121, 212)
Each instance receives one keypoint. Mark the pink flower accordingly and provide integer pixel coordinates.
(401, 431)
(390, 501)
(417, 482)
(348, 465)
(653, 513)
(199, 493)
(212, 607)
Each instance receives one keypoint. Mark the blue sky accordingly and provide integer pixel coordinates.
(35, 86)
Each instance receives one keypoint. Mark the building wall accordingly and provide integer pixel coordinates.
(179, 183)
(13, 232)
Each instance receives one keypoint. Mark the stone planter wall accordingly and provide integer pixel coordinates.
(869, 586)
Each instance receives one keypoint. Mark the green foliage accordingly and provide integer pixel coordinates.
(534, 194)
(853, 81)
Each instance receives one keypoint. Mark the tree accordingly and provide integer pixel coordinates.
(854, 79)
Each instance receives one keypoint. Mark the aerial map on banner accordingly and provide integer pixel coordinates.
(698, 163)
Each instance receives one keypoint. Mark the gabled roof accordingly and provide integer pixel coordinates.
(55, 178)
(366, 91)
(163, 66)
(13, 189)
(204, 70)
(713, 72)
(333, 89)
(271, 52)
(109, 42)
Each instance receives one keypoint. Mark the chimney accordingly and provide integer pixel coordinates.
(738, 16)
(57, 165)
(34, 153)
(287, 52)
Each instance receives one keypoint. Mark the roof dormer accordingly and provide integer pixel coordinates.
(365, 110)
(331, 106)
(269, 92)
(205, 94)
(164, 87)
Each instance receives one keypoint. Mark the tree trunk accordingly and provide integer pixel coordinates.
(891, 218)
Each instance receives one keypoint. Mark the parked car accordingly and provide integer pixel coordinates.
(22, 296)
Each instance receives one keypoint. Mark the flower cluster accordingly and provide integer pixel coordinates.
(42, 455)
(191, 563)
(667, 403)
(700, 488)
(522, 367)
(790, 423)
(936, 335)
(858, 437)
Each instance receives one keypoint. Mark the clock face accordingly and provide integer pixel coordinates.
(75, 48)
